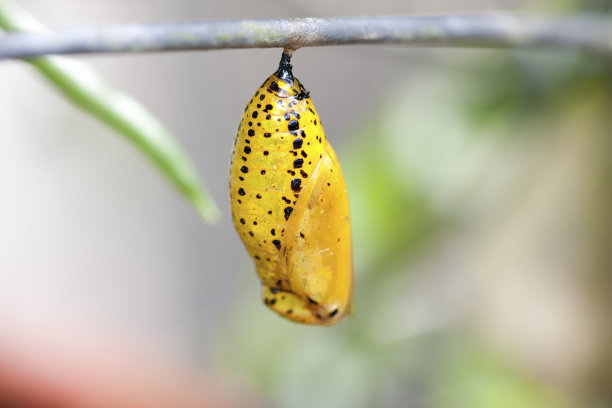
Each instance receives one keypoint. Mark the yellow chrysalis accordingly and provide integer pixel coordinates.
(290, 205)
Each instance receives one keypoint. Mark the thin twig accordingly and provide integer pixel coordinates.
(588, 33)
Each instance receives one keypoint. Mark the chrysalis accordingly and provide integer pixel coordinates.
(290, 205)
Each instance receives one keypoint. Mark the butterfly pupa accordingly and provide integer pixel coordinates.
(290, 204)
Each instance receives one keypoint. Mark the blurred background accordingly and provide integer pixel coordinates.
(480, 185)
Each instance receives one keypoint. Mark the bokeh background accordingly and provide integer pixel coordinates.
(480, 185)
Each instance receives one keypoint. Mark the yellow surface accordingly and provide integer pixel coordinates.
(290, 206)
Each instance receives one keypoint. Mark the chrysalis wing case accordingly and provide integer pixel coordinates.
(290, 205)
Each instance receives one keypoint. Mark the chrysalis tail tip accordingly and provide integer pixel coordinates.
(284, 68)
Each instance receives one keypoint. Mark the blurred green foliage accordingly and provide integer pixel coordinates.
(120, 112)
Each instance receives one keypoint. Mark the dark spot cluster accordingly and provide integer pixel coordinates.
(312, 301)
(282, 107)
(302, 93)
(296, 184)
(278, 292)
(293, 125)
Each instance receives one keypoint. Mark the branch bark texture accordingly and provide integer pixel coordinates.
(589, 33)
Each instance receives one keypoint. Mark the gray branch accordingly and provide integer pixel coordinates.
(588, 33)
